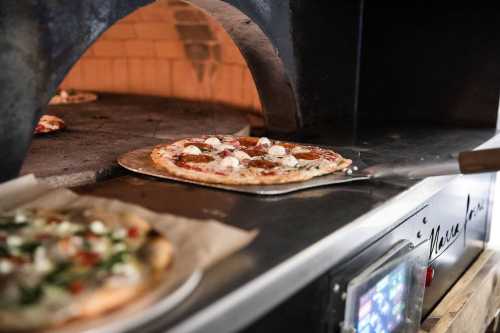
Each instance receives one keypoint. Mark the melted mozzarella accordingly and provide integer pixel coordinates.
(119, 233)
(100, 246)
(6, 266)
(98, 228)
(65, 228)
(20, 218)
(277, 150)
(64, 95)
(41, 261)
(191, 150)
(264, 142)
(14, 241)
(241, 155)
(289, 161)
(299, 149)
(224, 146)
(229, 162)
(212, 141)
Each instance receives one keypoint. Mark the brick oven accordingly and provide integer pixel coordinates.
(171, 49)
(165, 56)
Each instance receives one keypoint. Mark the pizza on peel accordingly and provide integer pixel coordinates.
(227, 159)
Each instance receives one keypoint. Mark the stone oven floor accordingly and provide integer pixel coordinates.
(98, 132)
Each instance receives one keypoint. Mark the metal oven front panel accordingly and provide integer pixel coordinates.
(451, 226)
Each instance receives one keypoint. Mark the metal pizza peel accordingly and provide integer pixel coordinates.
(467, 162)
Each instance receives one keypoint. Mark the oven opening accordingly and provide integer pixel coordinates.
(166, 71)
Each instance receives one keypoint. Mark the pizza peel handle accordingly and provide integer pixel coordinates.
(477, 161)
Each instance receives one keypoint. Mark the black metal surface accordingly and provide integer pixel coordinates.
(288, 224)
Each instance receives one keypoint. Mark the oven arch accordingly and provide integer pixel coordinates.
(275, 89)
(42, 40)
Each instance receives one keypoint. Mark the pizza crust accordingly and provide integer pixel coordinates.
(72, 97)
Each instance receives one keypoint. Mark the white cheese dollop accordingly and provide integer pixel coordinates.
(6, 266)
(289, 161)
(277, 150)
(41, 261)
(229, 162)
(241, 155)
(224, 146)
(191, 150)
(20, 218)
(14, 241)
(264, 142)
(98, 228)
(120, 233)
(65, 228)
(212, 141)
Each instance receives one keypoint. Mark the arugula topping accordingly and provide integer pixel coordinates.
(8, 223)
(4, 251)
(117, 258)
(30, 295)
(30, 247)
(58, 277)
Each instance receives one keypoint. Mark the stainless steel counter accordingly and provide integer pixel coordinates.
(301, 235)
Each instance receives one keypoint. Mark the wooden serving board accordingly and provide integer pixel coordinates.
(473, 303)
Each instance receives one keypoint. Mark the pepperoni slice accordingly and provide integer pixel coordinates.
(17, 260)
(76, 287)
(133, 232)
(87, 258)
(248, 141)
(40, 128)
(254, 152)
(288, 145)
(263, 164)
(307, 156)
(187, 166)
(224, 153)
(201, 145)
(195, 158)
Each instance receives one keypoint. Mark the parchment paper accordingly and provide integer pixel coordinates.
(198, 244)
